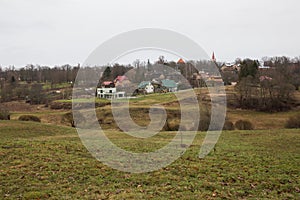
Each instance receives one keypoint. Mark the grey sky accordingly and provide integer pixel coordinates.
(55, 32)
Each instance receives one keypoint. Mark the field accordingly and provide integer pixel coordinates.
(40, 161)
(48, 161)
(261, 120)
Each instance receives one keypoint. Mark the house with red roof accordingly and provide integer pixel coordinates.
(121, 81)
(108, 90)
(180, 61)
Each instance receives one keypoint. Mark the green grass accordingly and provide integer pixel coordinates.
(41, 161)
(97, 100)
(159, 98)
(156, 98)
(47, 86)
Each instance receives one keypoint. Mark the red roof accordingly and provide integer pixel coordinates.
(180, 61)
(120, 78)
(107, 82)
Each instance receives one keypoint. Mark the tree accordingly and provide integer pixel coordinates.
(161, 60)
(229, 77)
(248, 68)
(106, 76)
(267, 90)
(246, 90)
(118, 70)
(36, 96)
(6, 92)
(139, 75)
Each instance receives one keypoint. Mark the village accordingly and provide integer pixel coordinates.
(158, 100)
(182, 75)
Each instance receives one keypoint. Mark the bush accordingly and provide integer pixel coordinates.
(228, 126)
(244, 125)
(4, 114)
(293, 122)
(171, 125)
(204, 123)
(60, 105)
(68, 118)
(29, 118)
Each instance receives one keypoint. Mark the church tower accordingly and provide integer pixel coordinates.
(213, 57)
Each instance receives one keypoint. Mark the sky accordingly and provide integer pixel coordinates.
(56, 32)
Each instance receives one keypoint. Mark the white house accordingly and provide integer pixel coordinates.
(109, 93)
(147, 86)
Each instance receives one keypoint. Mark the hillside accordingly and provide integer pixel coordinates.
(140, 105)
(41, 161)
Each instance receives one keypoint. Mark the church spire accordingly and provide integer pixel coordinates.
(213, 58)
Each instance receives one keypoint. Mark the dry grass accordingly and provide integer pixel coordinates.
(41, 161)
(260, 120)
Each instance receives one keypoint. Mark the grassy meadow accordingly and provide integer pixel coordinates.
(43, 161)
(48, 161)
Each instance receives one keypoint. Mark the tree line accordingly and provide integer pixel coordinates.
(28, 81)
(268, 89)
(261, 89)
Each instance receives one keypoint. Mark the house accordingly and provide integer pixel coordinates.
(158, 86)
(121, 81)
(203, 75)
(262, 66)
(147, 86)
(109, 91)
(108, 84)
(214, 81)
(230, 67)
(120, 78)
(181, 61)
(169, 84)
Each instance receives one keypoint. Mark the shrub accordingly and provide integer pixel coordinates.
(228, 126)
(61, 105)
(244, 125)
(171, 125)
(29, 118)
(68, 118)
(293, 122)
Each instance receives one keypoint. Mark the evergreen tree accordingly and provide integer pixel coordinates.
(248, 68)
(106, 74)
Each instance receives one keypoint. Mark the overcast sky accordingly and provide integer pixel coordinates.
(55, 32)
